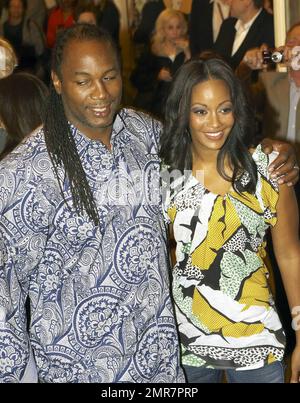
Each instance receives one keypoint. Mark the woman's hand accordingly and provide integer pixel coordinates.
(254, 58)
(285, 166)
(183, 46)
(164, 75)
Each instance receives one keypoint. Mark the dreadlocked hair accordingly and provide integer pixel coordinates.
(59, 139)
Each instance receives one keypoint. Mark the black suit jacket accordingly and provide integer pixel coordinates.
(150, 12)
(109, 19)
(261, 31)
(201, 26)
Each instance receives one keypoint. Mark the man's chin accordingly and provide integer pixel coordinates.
(101, 125)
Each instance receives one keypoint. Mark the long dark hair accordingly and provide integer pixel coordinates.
(22, 104)
(175, 150)
(59, 139)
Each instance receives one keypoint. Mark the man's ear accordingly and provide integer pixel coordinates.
(56, 82)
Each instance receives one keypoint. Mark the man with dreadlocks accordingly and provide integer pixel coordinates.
(82, 234)
(93, 261)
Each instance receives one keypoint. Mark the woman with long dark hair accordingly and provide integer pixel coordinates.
(22, 99)
(220, 201)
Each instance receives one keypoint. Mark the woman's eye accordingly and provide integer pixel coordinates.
(227, 109)
(200, 112)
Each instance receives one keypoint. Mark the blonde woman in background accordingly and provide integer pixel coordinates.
(155, 68)
(146, 13)
(8, 58)
(170, 35)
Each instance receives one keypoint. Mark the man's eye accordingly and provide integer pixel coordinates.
(81, 83)
(108, 78)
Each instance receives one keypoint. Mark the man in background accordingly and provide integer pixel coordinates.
(249, 26)
(206, 19)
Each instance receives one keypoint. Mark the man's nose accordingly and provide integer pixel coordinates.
(99, 90)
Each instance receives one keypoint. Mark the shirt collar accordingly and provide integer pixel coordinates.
(244, 27)
(82, 141)
(219, 2)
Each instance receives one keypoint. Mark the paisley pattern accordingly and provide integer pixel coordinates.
(99, 297)
(225, 312)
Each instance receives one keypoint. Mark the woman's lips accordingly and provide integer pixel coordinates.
(214, 135)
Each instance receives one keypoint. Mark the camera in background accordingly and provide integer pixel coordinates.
(270, 57)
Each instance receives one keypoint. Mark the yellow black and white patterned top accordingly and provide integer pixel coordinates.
(225, 311)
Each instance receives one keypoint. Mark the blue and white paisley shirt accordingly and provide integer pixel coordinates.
(100, 303)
